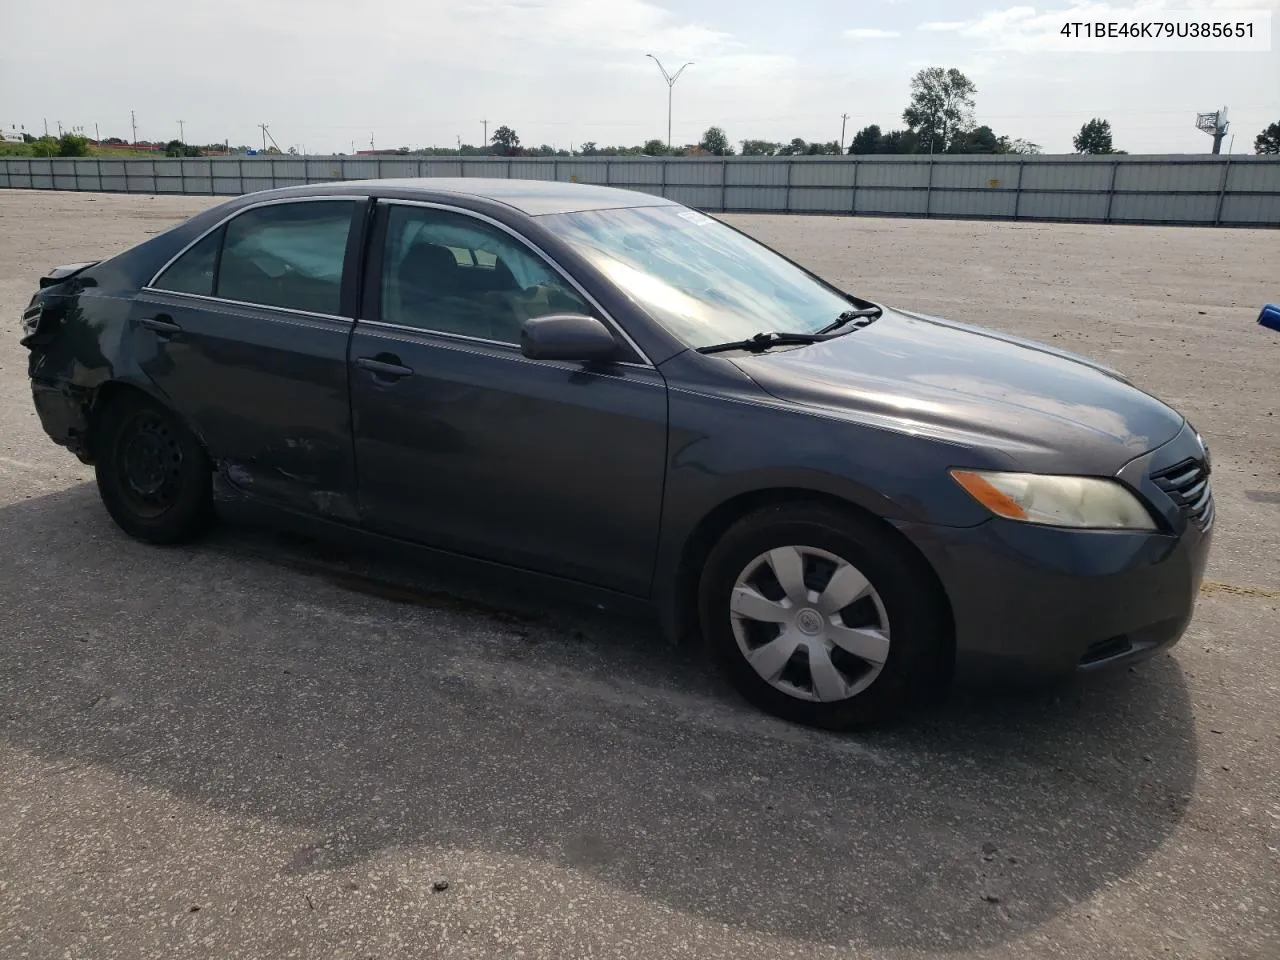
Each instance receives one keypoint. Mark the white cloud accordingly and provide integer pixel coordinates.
(943, 25)
(870, 33)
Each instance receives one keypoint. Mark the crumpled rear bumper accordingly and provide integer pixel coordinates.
(63, 412)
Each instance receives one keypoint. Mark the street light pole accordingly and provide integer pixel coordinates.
(671, 82)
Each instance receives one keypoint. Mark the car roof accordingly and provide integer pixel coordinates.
(531, 197)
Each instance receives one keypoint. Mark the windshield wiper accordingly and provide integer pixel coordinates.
(763, 341)
(866, 313)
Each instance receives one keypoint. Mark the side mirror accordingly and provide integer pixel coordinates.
(567, 336)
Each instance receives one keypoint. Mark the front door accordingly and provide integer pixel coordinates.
(463, 443)
(244, 334)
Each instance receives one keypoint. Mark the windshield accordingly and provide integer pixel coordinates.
(703, 281)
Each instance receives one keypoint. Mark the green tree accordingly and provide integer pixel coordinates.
(715, 141)
(795, 148)
(941, 108)
(1268, 141)
(72, 145)
(759, 148)
(1094, 137)
(506, 141)
(589, 149)
(979, 140)
(866, 140)
(1018, 145)
(44, 147)
(655, 147)
(900, 141)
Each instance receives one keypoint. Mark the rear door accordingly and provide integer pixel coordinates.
(463, 443)
(246, 333)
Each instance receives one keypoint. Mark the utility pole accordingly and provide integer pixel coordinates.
(46, 125)
(263, 128)
(133, 124)
(96, 137)
(59, 123)
(371, 146)
(486, 132)
(182, 135)
(844, 118)
(671, 82)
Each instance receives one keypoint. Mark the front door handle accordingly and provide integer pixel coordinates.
(390, 368)
(162, 324)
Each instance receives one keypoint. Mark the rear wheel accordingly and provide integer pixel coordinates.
(821, 616)
(153, 475)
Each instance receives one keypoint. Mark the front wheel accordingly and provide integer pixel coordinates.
(821, 616)
(153, 475)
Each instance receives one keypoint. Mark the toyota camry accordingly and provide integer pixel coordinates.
(850, 503)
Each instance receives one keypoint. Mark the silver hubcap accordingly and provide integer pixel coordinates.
(809, 623)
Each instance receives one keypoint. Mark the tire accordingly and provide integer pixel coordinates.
(154, 477)
(897, 616)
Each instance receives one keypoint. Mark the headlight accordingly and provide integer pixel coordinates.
(1084, 502)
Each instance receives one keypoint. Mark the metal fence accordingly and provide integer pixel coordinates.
(1203, 190)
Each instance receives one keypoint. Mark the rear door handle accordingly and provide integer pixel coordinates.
(162, 324)
(390, 369)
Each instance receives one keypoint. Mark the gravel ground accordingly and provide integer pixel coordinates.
(257, 747)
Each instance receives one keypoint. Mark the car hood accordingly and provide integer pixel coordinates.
(1042, 409)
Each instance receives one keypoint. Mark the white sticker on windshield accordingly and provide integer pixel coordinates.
(697, 219)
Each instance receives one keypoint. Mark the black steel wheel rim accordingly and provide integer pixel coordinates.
(149, 464)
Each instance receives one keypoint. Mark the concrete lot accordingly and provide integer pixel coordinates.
(256, 747)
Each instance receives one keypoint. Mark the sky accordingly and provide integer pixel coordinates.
(334, 75)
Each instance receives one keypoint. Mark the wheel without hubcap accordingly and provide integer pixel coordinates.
(153, 474)
(809, 623)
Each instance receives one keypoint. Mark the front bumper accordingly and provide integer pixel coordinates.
(1033, 601)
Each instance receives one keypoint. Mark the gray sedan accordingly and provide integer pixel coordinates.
(622, 397)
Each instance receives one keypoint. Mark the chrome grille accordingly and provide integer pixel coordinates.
(1187, 484)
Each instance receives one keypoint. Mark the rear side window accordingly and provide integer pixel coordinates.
(193, 271)
(287, 255)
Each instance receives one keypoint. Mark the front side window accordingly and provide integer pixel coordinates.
(193, 271)
(287, 255)
(703, 281)
(452, 273)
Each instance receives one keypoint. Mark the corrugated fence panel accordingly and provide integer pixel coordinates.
(583, 171)
(359, 169)
(1251, 210)
(442, 168)
(986, 176)
(390, 169)
(887, 200)
(756, 173)
(1254, 176)
(1050, 175)
(893, 173)
(707, 198)
(699, 172)
(984, 204)
(755, 198)
(1190, 208)
(1063, 206)
(636, 172)
(324, 170)
(822, 199)
(1191, 189)
(1176, 176)
(822, 173)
